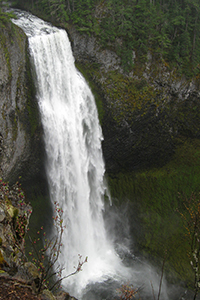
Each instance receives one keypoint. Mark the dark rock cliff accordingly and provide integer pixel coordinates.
(20, 127)
(146, 111)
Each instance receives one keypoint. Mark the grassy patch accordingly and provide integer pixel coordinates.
(156, 194)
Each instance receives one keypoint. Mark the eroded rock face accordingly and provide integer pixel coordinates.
(86, 49)
(146, 111)
(20, 127)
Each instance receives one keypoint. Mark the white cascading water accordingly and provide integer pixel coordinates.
(75, 166)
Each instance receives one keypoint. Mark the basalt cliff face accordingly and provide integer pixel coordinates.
(20, 127)
(147, 111)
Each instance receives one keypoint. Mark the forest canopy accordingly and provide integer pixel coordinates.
(168, 28)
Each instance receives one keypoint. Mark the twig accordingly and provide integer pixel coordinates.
(153, 291)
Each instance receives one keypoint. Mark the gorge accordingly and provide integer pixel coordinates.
(162, 134)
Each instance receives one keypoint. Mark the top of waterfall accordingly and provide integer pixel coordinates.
(32, 25)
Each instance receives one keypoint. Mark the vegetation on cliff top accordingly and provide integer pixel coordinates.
(168, 28)
(4, 16)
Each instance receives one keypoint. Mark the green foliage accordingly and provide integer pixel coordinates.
(168, 28)
(5, 16)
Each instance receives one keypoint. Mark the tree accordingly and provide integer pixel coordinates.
(168, 28)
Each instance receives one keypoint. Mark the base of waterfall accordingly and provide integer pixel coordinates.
(133, 272)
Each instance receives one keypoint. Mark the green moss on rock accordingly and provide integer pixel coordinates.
(6, 53)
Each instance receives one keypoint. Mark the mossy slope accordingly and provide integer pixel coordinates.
(154, 195)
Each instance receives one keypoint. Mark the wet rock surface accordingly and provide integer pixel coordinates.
(20, 127)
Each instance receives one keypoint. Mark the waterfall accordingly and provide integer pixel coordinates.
(75, 166)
